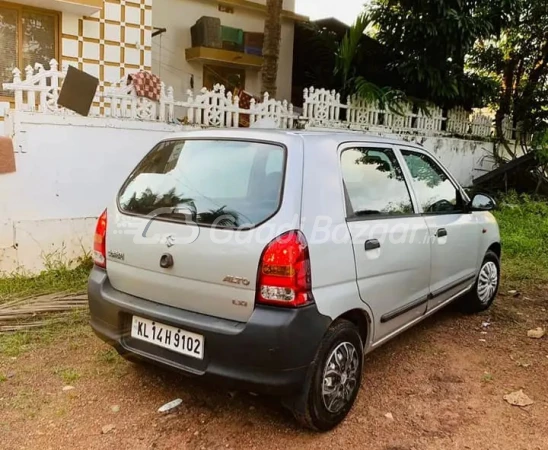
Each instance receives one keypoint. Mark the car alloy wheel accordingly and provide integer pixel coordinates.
(340, 377)
(487, 282)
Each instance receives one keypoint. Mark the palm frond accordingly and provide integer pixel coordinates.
(349, 47)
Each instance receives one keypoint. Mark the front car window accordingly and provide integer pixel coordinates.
(374, 183)
(224, 183)
(435, 191)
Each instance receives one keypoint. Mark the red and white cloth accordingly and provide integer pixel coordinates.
(146, 85)
(245, 103)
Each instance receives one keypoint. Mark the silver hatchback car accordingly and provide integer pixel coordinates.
(275, 260)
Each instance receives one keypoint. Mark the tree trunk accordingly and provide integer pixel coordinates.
(271, 47)
(505, 104)
(523, 102)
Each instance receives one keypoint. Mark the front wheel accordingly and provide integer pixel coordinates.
(333, 380)
(483, 294)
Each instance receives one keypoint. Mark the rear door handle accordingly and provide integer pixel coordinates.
(441, 232)
(372, 244)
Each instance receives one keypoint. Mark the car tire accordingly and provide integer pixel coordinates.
(333, 379)
(485, 289)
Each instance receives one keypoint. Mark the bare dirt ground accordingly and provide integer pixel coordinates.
(443, 382)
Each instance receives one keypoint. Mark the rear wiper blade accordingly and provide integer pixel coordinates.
(174, 212)
(366, 212)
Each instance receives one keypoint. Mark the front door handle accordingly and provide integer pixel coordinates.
(441, 232)
(372, 244)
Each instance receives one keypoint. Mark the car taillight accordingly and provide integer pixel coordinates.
(100, 241)
(284, 272)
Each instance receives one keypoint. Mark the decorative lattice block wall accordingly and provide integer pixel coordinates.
(111, 43)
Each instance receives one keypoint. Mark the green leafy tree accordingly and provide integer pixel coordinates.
(323, 44)
(430, 40)
(347, 64)
(517, 55)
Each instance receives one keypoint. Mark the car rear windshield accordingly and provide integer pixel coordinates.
(222, 183)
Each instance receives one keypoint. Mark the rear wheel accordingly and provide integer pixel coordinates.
(483, 294)
(333, 379)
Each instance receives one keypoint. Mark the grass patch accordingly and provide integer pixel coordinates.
(3, 378)
(111, 364)
(72, 325)
(68, 375)
(58, 277)
(523, 226)
(108, 356)
(487, 377)
(22, 400)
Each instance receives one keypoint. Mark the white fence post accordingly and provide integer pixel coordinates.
(170, 107)
(18, 92)
(507, 128)
(362, 115)
(31, 99)
(322, 107)
(236, 111)
(281, 113)
(162, 112)
(458, 121)
(481, 125)
(54, 83)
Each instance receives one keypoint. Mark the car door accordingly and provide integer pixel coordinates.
(455, 234)
(389, 237)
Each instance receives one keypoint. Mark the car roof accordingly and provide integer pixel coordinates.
(273, 134)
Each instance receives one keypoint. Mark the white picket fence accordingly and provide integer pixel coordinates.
(39, 92)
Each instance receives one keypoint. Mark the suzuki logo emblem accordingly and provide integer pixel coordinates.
(170, 240)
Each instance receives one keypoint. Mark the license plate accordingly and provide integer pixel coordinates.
(166, 336)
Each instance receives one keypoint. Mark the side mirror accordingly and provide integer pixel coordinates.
(483, 202)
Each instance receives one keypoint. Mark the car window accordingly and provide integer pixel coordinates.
(435, 191)
(216, 170)
(374, 182)
(214, 182)
(274, 162)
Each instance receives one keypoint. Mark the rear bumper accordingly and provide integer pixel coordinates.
(270, 353)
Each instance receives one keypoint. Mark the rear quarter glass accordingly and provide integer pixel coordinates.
(223, 183)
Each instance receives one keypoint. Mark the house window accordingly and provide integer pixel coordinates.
(226, 9)
(230, 78)
(27, 36)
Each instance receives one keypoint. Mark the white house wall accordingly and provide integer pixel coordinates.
(66, 174)
(178, 16)
(465, 159)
